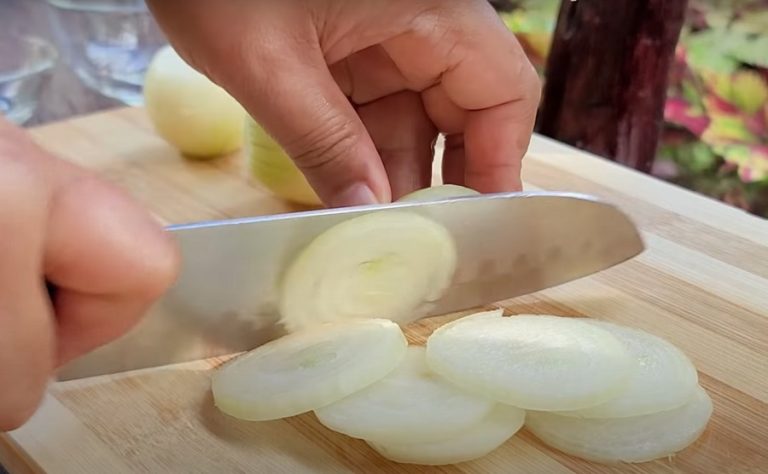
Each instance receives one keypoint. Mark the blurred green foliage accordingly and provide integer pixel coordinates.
(715, 138)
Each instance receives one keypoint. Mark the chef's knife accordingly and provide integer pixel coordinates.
(225, 300)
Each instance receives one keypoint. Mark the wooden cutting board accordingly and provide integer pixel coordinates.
(702, 284)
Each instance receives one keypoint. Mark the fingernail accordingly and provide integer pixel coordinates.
(358, 194)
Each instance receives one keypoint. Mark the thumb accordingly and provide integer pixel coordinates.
(305, 111)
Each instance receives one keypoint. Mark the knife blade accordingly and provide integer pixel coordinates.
(225, 299)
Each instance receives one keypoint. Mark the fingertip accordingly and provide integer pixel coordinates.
(11, 419)
(101, 241)
(357, 194)
(162, 269)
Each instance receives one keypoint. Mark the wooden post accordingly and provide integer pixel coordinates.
(606, 76)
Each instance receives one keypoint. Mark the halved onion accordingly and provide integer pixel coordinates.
(410, 405)
(480, 440)
(532, 362)
(271, 167)
(190, 111)
(380, 265)
(437, 192)
(307, 370)
(665, 379)
(633, 440)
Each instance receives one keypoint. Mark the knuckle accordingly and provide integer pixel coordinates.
(532, 78)
(443, 25)
(325, 144)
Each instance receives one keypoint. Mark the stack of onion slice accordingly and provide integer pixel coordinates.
(593, 389)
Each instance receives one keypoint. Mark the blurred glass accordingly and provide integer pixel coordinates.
(107, 43)
(26, 64)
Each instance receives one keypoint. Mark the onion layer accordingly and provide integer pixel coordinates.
(380, 265)
(307, 370)
(665, 379)
(634, 439)
(480, 440)
(410, 405)
(532, 362)
(440, 191)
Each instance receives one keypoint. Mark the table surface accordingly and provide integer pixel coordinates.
(700, 284)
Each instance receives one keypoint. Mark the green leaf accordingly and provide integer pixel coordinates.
(709, 50)
(530, 21)
(694, 158)
(753, 51)
(692, 94)
(703, 158)
(718, 18)
(727, 129)
(720, 84)
(749, 91)
(550, 5)
(752, 161)
(754, 22)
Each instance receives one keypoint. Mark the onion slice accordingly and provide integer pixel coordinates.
(532, 362)
(410, 405)
(440, 191)
(665, 379)
(307, 370)
(480, 440)
(388, 264)
(633, 440)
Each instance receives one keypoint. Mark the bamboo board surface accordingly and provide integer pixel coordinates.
(702, 284)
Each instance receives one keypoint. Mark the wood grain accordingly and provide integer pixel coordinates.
(702, 284)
